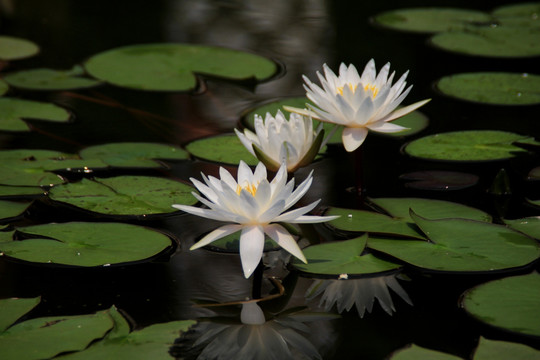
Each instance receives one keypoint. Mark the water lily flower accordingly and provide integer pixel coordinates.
(277, 140)
(256, 207)
(360, 292)
(359, 103)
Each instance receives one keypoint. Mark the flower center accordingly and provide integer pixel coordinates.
(351, 86)
(250, 188)
(374, 90)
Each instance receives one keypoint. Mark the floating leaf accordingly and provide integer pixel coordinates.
(529, 226)
(430, 20)
(473, 145)
(171, 67)
(461, 245)
(534, 202)
(8, 191)
(44, 338)
(504, 350)
(534, 174)
(12, 309)
(439, 180)
(342, 257)
(133, 154)
(12, 48)
(491, 41)
(399, 222)
(493, 87)
(13, 111)
(225, 149)
(125, 195)
(511, 303)
(524, 14)
(32, 167)
(86, 244)
(415, 352)
(9, 209)
(4, 87)
(48, 79)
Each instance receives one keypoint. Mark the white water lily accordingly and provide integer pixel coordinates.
(360, 292)
(277, 140)
(255, 206)
(359, 103)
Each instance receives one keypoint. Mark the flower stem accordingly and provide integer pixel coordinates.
(359, 175)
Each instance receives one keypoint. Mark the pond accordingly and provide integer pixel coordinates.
(111, 112)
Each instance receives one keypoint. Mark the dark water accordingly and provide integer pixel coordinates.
(300, 35)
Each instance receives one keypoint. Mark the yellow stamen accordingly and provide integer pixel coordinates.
(250, 188)
(351, 86)
(374, 90)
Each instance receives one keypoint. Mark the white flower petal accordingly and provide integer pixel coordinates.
(216, 235)
(353, 137)
(312, 219)
(386, 127)
(205, 213)
(285, 240)
(251, 248)
(405, 110)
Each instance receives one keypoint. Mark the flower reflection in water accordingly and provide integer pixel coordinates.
(281, 337)
(360, 292)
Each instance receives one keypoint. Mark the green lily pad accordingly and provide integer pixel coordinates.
(473, 145)
(13, 309)
(48, 79)
(224, 149)
(415, 352)
(86, 244)
(511, 303)
(503, 350)
(12, 48)
(342, 257)
(152, 342)
(44, 338)
(4, 87)
(398, 221)
(491, 41)
(430, 20)
(13, 191)
(13, 111)
(9, 209)
(534, 202)
(529, 226)
(414, 122)
(524, 14)
(496, 88)
(125, 195)
(33, 167)
(439, 180)
(171, 67)
(133, 154)
(461, 245)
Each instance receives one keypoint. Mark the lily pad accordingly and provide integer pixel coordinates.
(342, 257)
(33, 167)
(224, 149)
(495, 88)
(398, 220)
(511, 303)
(473, 145)
(4, 87)
(48, 79)
(125, 195)
(9, 209)
(171, 67)
(152, 342)
(415, 352)
(529, 226)
(86, 244)
(534, 174)
(44, 338)
(14, 308)
(133, 154)
(524, 14)
(461, 245)
(13, 48)
(503, 350)
(534, 202)
(430, 20)
(439, 180)
(13, 111)
(12, 191)
(491, 41)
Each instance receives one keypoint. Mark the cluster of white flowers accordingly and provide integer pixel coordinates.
(256, 206)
